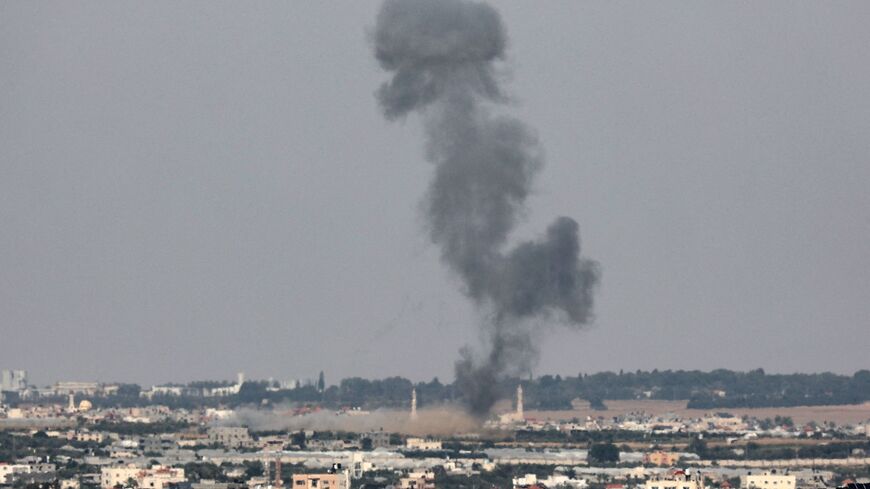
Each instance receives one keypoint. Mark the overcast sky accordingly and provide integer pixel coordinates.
(191, 189)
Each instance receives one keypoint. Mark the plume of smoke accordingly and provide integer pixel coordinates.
(442, 56)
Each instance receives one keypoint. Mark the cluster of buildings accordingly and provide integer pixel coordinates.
(15, 383)
(115, 460)
(715, 424)
(88, 452)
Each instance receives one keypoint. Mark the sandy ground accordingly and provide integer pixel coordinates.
(846, 414)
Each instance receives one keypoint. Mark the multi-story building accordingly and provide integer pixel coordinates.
(231, 437)
(156, 477)
(162, 390)
(335, 478)
(768, 480)
(8, 472)
(13, 380)
(83, 388)
(89, 436)
(379, 439)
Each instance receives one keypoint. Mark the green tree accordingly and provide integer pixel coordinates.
(321, 382)
(298, 439)
(603, 453)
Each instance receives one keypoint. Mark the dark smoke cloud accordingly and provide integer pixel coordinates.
(442, 55)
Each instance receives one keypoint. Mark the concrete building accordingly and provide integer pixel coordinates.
(13, 380)
(83, 388)
(676, 479)
(418, 480)
(768, 480)
(422, 444)
(89, 436)
(555, 480)
(162, 390)
(8, 471)
(157, 477)
(335, 478)
(379, 439)
(231, 437)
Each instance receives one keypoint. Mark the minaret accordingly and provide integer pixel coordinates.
(72, 402)
(278, 481)
(414, 403)
(520, 416)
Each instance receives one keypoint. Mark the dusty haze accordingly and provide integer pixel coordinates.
(442, 420)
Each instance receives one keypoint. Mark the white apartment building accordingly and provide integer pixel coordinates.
(7, 470)
(13, 380)
(768, 480)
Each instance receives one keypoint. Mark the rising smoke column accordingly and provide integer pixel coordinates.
(442, 56)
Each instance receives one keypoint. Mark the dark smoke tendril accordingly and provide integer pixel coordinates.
(442, 55)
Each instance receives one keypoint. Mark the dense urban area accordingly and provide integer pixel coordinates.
(650, 430)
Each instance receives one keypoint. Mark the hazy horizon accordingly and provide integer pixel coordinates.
(312, 380)
(189, 190)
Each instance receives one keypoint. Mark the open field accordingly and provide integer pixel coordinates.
(839, 414)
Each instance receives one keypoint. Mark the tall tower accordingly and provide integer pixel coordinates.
(520, 415)
(278, 481)
(72, 402)
(414, 403)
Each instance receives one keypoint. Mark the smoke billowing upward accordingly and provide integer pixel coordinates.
(442, 56)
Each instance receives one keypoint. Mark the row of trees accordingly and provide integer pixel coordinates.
(705, 390)
(715, 389)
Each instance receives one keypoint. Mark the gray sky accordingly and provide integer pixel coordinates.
(192, 189)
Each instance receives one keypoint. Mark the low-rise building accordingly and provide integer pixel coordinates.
(422, 444)
(156, 477)
(676, 479)
(89, 436)
(768, 480)
(418, 480)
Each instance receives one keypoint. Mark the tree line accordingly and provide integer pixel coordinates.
(705, 390)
